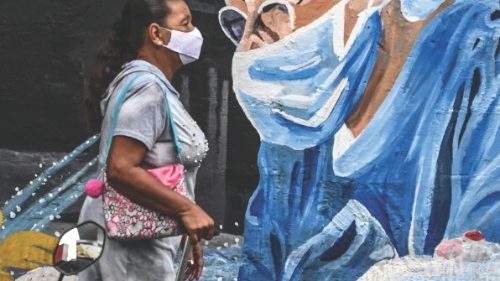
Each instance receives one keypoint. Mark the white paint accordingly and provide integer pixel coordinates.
(70, 238)
(411, 233)
(232, 8)
(322, 114)
(338, 29)
(213, 89)
(222, 137)
(341, 48)
(343, 141)
(309, 64)
(45, 273)
(432, 269)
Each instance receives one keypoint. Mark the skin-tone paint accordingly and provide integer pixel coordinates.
(398, 38)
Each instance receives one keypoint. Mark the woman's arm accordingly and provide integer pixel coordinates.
(128, 178)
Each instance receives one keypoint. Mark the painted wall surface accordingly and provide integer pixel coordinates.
(379, 125)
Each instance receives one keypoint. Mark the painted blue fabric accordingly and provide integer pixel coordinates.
(426, 168)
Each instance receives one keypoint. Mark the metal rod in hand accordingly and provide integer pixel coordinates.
(186, 249)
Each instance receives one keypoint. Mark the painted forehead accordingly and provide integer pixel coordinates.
(238, 3)
(306, 11)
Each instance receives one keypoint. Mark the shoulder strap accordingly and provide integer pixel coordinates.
(116, 110)
(172, 125)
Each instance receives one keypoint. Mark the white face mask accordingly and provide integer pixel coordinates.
(186, 44)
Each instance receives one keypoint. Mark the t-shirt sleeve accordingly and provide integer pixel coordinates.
(143, 116)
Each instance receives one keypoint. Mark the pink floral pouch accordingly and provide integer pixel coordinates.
(127, 220)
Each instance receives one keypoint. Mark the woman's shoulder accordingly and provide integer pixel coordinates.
(149, 72)
(146, 84)
(147, 89)
(154, 84)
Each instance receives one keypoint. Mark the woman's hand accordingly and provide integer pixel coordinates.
(195, 268)
(198, 224)
(127, 176)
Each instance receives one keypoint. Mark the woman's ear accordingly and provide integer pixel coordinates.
(157, 35)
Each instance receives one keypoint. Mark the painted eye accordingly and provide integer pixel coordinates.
(232, 22)
(282, 7)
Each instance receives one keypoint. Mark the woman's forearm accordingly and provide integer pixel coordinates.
(142, 188)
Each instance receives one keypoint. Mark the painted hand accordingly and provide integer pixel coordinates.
(25, 250)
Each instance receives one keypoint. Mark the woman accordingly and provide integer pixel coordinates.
(153, 38)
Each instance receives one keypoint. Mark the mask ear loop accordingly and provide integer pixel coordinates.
(169, 30)
(290, 9)
(221, 23)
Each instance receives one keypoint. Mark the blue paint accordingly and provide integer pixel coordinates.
(53, 202)
(35, 216)
(423, 170)
(38, 182)
(340, 247)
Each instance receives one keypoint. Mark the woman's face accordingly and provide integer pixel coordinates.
(179, 17)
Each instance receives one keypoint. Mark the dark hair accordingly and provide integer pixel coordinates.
(121, 46)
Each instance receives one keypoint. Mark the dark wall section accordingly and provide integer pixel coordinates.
(228, 173)
(46, 52)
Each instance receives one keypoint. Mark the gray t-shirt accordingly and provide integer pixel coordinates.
(143, 116)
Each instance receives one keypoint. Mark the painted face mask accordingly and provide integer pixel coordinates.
(186, 44)
(299, 90)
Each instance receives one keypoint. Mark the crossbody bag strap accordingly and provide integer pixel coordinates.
(114, 119)
(172, 125)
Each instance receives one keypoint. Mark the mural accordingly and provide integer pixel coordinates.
(379, 125)
(29, 212)
(23, 251)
